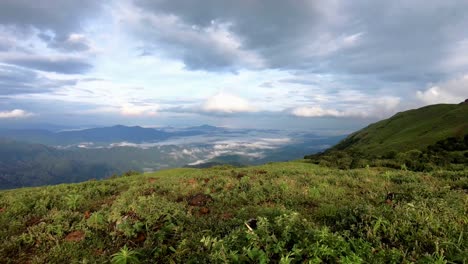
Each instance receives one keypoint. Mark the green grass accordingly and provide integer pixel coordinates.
(292, 212)
(413, 129)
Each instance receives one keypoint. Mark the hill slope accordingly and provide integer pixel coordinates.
(292, 212)
(413, 129)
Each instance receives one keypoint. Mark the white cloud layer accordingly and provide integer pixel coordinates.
(16, 113)
(452, 91)
(371, 107)
(223, 102)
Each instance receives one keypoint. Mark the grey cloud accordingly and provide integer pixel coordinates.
(299, 81)
(60, 16)
(66, 44)
(265, 28)
(266, 85)
(5, 44)
(65, 65)
(396, 41)
(16, 80)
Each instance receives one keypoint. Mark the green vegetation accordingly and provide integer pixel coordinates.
(293, 212)
(426, 139)
(413, 129)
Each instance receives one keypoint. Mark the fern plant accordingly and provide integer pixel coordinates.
(125, 256)
(73, 201)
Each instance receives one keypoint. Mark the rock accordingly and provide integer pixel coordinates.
(199, 199)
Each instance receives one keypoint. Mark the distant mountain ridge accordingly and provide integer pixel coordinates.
(117, 133)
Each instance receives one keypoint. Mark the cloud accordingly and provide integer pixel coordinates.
(213, 47)
(16, 113)
(223, 102)
(316, 111)
(16, 80)
(397, 42)
(71, 43)
(451, 91)
(59, 16)
(125, 110)
(138, 110)
(219, 35)
(51, 63)
(364, 108)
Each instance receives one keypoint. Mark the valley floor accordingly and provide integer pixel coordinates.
(292, 212)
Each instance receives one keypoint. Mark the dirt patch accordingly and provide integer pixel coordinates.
(141, 237)
(260, 172)
(98, 252)
(34, 220)
(3, 209)
(227, 216)
(152, 180)
(240, 175)
(204, 210)
(199, 199)
(87, 214)
(192, 181)
(149, 191)
(75, 236)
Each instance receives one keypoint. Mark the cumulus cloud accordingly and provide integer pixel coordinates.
(211, 47)
(16, 113)
(223, 102)
(451, 91)
(344, 37)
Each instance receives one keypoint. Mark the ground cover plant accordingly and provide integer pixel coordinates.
(293, 212)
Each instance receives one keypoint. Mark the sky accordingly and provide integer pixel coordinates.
(299, 64)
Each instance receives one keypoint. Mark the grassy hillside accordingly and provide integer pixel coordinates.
(413, 129)
(292, 212)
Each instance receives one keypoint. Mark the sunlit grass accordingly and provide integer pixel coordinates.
(302, 213)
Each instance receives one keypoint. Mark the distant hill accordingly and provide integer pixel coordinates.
(24, 164)
(423, 139)
(112, 134)
(413, 129)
